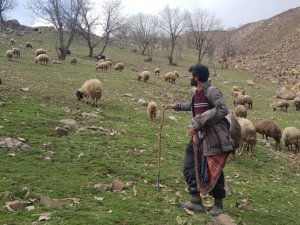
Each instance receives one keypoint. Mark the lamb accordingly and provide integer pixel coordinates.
(171, 76)
(12, 41)
(40, 51)
(103, 66)
(144, 76)
(16, 52)
(281, 105)
(248, 136)
(291, 136)
(28, 45)
(9, 54)
(152, 110)
(119, 66)
(90, 89)
(268, 128)
(243, 99)
(240, 111)
(42, 58)
(157, 71)
(73, 61)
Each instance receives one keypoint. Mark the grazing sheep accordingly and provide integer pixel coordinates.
(16, 52)
(90, 89)
(73, 61)
(40, 51)
(109, 63)
(243, 99)
(108, 59)
(9, 54)
(42, 58)
(291, 136)
(240, 111)
(103, 66)
(152, 110)
(144, 76)
(268, 128)
(248, 136)
(12, 41)
(171, 76)
(28, 45)
(235, 130)
(281, 105)
(157, 71)
(119, 66)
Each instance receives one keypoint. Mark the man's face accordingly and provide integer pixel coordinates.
(194, 80)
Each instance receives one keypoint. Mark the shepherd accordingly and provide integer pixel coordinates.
(210, 143)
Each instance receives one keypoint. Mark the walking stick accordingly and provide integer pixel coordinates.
(159, 143)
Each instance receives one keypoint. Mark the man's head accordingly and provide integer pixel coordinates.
(200, 73)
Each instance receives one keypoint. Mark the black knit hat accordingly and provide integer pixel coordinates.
(201, 71)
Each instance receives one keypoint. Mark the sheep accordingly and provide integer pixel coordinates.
(235, 131)
(28, 45)
(108, 59)
(90, 89)
(109, 63)
(157, 71)
(98, 57)
(152, 110)
(291, 136)
(102, 65)
(40, 51)
(12, 41)
(146, 68)
(144, 76)
(16, 52)
(73, 61)
(119, 66)
(281, 105)
(268, 128)
(42, 58)
(9, 54)
(243, 99)
(248, 135)
(171, 76)
(240, 111)
(296, 103)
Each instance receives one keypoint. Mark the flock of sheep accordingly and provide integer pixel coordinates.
(267, 128)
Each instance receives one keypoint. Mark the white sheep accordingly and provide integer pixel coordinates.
(9, 54)
(157, 71)
(171, 76)
(248, 131)
(152, 110)
(119, 66)
(42, 58)
(92, 88)
(16, 52)
(291, 136)
(40, 51)
(281, 105)
(103, 66)
(144, 76)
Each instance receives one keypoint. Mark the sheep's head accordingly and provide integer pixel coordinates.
(79, 95)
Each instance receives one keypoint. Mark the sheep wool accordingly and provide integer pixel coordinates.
(42, 58)
(40, 51)
(291, 136)
(248, 136)
(240, 111)
(144, 76)
(152, 110)
(9, 54)
(92, 88)
(267, 129)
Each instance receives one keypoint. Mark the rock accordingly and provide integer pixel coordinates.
(224, 219)
(69, 122)
(14, 206)
(143, 102)
(61, 132)
(117, 185)
(53, 203)
(11, 143)
(25, 89)
(50, 146)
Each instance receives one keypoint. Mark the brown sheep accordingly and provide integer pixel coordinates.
(157, 71)
(144, 76)
(73, 61)
(240, 111)
(16, 52)
(152, 110)
(268, 128)
(281, 105)
(243, 99)
(119, 66)
(248, 136)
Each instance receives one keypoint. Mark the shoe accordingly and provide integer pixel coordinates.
(217, 209)
(193, 206)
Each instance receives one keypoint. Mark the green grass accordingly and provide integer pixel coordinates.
(270, 180)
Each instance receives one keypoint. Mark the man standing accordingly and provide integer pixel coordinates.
(210, 145)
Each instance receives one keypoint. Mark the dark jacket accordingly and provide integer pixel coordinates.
(212, 123)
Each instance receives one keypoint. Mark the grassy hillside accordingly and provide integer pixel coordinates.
(264, 189)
